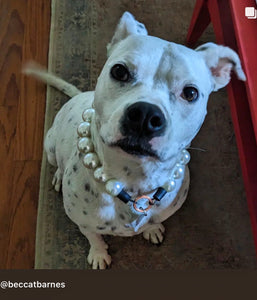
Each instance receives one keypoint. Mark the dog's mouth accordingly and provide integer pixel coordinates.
(133, 147)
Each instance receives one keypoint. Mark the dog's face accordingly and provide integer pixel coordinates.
(151, 96)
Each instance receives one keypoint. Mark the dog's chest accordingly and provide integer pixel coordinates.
(91, 208)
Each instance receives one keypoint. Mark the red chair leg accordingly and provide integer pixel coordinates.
(219, 12)
(222, 21)
(246, 144)
(199, 22)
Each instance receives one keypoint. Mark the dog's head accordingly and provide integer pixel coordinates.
(151, 96)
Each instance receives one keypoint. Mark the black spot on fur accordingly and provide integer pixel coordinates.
(70, 119)
(100, 227)
(172, 96)
(69, 210)
(113, 228)
(122, 216)
(86, 200)
(75, 168)
(52, 149)
(75, 195)
(87, 187)
(151, 221)
(61, 161)
(84, 212)
(127, 170)
(68, 182)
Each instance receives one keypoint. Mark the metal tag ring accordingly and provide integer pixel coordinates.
(151, 202)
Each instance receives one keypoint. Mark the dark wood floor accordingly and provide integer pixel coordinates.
(24, 35)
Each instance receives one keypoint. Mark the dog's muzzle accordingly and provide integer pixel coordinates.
(140, 123)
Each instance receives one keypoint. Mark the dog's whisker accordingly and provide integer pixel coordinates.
(198, 149)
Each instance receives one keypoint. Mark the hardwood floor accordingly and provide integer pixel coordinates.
(24, 35)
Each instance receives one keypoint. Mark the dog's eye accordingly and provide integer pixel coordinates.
(189, 93)
(120, 72)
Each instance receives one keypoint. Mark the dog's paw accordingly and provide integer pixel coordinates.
(57, 180)
(99, 259)
(154, 234)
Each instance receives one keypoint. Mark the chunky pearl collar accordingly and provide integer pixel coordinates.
(141, 204)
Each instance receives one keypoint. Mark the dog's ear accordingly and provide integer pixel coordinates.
(128, 25)
(221, 61)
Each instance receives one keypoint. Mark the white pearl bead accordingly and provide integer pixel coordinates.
(170, 185)
(85, 145)
(185, 157)
(99, 175)
(113, 187)
(91, 160)
(84, 129)
(178, 172)
(88, 114)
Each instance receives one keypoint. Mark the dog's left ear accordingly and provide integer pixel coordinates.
(221, 61)
(128, 25)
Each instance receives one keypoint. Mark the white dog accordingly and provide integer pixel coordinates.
(121, 151)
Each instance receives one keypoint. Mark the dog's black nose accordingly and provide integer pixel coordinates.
(143, 119)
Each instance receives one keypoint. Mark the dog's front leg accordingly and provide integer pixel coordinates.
(98, 256)
(154, 233)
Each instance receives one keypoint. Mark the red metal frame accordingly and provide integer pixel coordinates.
(234, 30)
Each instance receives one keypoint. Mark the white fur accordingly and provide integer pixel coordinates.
(33, 69)
(161, 70)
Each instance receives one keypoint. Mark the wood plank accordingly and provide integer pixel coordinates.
(31, 111)
(24, 35)
(22, 218)
(11, 39)
(8, 117)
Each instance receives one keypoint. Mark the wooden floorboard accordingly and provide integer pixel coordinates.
(24, 35)
(22, 220)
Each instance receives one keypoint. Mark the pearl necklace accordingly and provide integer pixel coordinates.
(115, 188)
